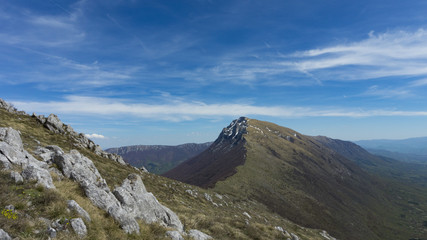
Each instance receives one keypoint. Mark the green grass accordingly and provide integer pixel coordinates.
(307, 186)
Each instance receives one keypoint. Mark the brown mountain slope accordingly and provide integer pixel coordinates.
(297, 177)
(216, 163)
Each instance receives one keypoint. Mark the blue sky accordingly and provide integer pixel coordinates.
(171, 72)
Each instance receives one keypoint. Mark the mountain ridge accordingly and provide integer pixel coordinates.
(158, 158)
(218, 161)
(301, 178)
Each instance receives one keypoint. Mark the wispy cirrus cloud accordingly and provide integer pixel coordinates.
(380, 55)
(31, 29)
(185, 111)
(399, 53)
(378, 91)
(419, 82)
(55, 72)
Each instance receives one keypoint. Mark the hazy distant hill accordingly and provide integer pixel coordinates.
(306, 180)
(408, 150)
(159, 158)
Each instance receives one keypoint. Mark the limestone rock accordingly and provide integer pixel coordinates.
(42, 176)
(4, 235)
(75, 166)
(8, 107)
(294, 237)
(247, 215)
(74, 206)
(326, 235)
(13, 153)
(79, 227)
(47, 152)
(198, 235)
(143, 169)
(11, 137)
(174, 235)
(16, 177)
(208, 197)
(51, 232)
(54, 124)
(143, 205)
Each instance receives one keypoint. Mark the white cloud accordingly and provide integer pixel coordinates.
(387, 92)
(183, 111)
(94, 135)
(418, 83)
(388, 54)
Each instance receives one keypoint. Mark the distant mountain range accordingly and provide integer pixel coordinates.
(317, 182)
(158, 158)
(408, 150)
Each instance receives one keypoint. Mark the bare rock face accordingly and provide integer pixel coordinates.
(74, 206)
(16, 177)
(41, 175)
(4, 235)
(54, 124)
(198, 235)
(130, 201)
(174, 235)
(9, 107)
(13, 153)
(143, 205)
(79, 227)
(81, 169)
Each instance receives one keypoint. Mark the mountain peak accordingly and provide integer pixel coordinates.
(233, 133)
(236, 128)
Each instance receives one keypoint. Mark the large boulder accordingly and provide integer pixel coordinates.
(54, 124)
(79, 227)
(11, 137)
(174, 235)
(74, 206)
(13, 153)
(8, 107)
(135, 199)
(36, 173)
(81, 169)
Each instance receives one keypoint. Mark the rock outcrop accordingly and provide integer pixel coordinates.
(10, 108)
(174, 235)
(54, 124)
(74, 206)
(143, 205)
(4, 235)
(13, 153)
(130, 201)
(79, 227)
(198, 235)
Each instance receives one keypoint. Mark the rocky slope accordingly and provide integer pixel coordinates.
(216, 163)
(298, 177)
(158, 158)
(55, 184)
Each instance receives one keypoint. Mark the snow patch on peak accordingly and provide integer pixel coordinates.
(236, 128)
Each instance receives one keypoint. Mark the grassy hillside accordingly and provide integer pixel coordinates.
(221, 216)
(297, 177)
(406, 182)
